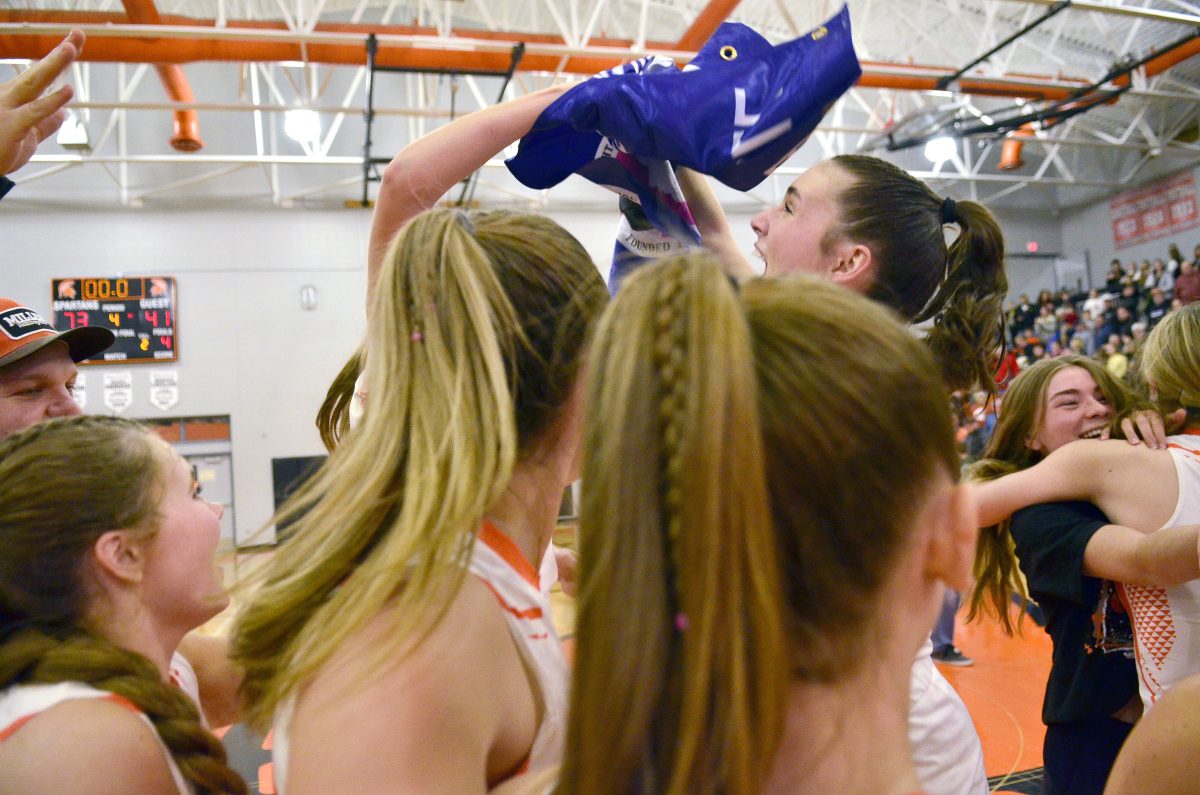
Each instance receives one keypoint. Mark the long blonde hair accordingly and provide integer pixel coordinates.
(720, 518)
(478, 324)
(1170, 361)
(1019, 419)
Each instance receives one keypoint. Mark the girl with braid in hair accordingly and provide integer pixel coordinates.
(108, 561)
(400, 638)
(769, 477)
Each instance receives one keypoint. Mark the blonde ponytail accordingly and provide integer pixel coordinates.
(391, 518)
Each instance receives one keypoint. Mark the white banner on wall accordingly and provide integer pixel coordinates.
(164, 388)
(118, 390)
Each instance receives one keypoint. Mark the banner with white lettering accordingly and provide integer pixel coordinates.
(164, 388)
(118, 390)
(1158, 210)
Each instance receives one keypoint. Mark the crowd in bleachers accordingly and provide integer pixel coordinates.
(1109, 322)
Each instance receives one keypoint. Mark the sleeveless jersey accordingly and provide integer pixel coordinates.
(499, 564)
(1166, 621)
(20, 704)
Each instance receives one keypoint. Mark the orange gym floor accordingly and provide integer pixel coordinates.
(1002, 690)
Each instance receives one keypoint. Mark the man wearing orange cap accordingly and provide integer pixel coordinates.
(37, 366)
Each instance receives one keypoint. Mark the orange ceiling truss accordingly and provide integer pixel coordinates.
(31, 34)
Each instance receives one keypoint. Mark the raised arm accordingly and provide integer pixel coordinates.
(26, 117)
(1161, 559)
(713, 225)
(1133, 484)
(428, 167)
(1062, 475)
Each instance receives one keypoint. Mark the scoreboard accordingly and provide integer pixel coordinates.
(138, 310)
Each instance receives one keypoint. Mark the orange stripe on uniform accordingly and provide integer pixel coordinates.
(528, 614)
(15, 726)
(503, 546)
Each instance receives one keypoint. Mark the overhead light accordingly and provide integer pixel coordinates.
(72, 134)
(302, 124)
(940, 149)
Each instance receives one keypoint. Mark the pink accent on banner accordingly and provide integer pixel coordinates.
(1164, 208)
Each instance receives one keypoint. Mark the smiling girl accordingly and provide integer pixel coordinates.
(108, 561)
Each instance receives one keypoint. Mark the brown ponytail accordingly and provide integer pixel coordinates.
(959, 289)
(114, 471)
(35, 657)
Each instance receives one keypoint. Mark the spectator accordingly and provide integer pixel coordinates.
(37, 366)
(1094, 305)
(1045, 328)
(1106, 321)
(1158, 308)
(1124, 322)
(1166, 282)
(1130, 298)
(1112, 282)
(1045, 297)
(1022, 317)
(1174, 257)
(1114, 360)
(1187, 283)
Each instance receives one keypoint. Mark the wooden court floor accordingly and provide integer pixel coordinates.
(1003, 692)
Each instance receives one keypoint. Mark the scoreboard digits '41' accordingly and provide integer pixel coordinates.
(139, 310)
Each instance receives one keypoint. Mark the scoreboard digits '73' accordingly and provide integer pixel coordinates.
(139, 310)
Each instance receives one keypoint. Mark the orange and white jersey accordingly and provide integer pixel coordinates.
(184, 678)
(1166, 621)
(20, 704)
(499, 564)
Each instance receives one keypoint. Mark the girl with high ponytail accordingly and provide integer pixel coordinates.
(868, 225)
(769, 478)
(108, 561)
(399, 637)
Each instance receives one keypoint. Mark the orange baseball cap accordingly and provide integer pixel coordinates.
(24, 332)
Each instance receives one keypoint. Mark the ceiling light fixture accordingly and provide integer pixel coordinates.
(302, 124)
(72, 134)
(940, 149)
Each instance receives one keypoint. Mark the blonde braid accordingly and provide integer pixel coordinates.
(669, 356)
(32, 656)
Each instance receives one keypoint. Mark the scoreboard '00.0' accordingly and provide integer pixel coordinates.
(139, 310)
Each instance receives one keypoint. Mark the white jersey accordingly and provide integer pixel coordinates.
(498, 564)
(184, 678)
(20, 704)
(1166, 621)
(946, 751)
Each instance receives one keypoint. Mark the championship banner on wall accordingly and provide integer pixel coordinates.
(1164, 208)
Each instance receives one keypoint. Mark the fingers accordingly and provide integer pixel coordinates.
(47, 113)
(30, 84)
(1150, 428)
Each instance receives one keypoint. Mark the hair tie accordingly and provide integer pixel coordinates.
(682, 624)
(949, 211)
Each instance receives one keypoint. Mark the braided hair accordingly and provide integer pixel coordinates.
(114, 470)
